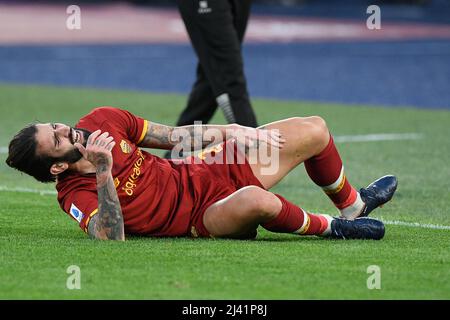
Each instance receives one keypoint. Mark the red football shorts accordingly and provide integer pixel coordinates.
(216, 181)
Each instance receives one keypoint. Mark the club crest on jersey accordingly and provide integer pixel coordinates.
(76, 213)
(126, 148)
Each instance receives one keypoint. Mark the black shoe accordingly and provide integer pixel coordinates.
(377, 193)
(360, 228)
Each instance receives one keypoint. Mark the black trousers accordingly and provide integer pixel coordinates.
(216, 29)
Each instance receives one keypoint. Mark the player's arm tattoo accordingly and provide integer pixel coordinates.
(157, 136)
(193, 136)
(107, 224)
(166, 137)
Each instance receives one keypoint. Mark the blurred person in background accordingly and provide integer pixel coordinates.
(216, 29)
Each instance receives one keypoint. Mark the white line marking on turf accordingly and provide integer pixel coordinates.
(351, 138)
(379, 137)
(416, 225)
(28, 190)
(388, 222)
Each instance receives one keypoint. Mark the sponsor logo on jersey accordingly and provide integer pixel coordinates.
(126, 148)
(76, 213)
(132, 180)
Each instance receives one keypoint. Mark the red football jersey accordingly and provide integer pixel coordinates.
(158, 197)
(142, 180)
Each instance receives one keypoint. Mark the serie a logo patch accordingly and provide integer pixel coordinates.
(126, 148)
(76, 213)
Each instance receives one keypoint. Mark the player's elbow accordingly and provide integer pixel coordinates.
(106, 236)
(114, 230)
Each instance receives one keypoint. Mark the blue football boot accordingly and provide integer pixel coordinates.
(377, 193)
(360, 228)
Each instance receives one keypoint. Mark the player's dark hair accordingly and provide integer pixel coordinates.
(23, 155)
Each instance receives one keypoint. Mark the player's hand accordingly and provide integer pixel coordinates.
(98, 150)
(254, 136)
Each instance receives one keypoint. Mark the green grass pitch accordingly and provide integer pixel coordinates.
(39, 242)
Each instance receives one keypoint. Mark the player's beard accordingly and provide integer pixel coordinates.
(74, 155)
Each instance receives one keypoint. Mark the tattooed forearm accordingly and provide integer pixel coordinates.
(196, 135)
(193, 136)
(108, 222)
(158, 136)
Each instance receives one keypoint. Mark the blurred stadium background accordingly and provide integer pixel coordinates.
(303, 50)
(389, 89)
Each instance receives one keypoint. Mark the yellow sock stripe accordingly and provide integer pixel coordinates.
(338, 188)
(305, 225)
(89, 219)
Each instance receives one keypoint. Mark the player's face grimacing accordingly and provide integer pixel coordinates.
(58, 140)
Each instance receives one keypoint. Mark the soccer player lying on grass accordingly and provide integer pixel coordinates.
(112, 187)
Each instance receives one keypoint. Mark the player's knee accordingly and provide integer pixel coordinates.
(252, 197)
(319, 122)
(262, 203)
(314, 124)
(318, 127)
(318, 131)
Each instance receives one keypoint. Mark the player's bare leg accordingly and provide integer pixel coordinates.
(240, 214)
(305, 138)
(308, 140)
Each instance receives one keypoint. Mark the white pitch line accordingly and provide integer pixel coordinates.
(351, 138)
(416, 225)
(379, 137)
(28, 190)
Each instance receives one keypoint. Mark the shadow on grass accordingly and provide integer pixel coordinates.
(57, 234)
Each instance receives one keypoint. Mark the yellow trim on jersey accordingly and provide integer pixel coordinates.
(144, 131)
(89, 219)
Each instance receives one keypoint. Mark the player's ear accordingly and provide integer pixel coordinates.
(58, 168)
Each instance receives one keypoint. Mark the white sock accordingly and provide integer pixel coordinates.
(328, 229)
(353, 211)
